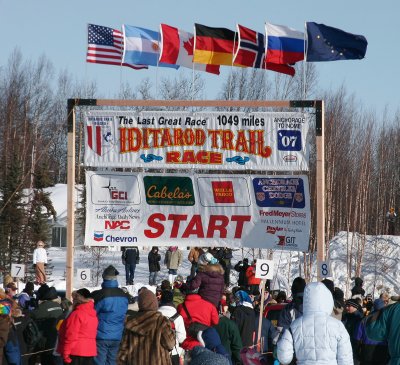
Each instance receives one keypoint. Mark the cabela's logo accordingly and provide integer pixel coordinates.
(168, 190)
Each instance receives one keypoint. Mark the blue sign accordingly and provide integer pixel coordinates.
(279, 192)
(289, 140)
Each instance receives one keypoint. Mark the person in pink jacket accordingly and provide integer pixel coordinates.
(77, 334)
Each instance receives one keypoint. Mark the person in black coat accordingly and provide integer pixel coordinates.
(130, 257)
(241, 268)
(358, 289)
(154, 265)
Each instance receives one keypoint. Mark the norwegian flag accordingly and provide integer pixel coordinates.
(251, 52)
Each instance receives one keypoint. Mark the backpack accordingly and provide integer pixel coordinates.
(33, 337)
(194, 327)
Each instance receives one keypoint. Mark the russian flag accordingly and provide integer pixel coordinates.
(284, 45)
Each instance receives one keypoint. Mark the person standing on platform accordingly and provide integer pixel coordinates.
(173, 259)
(130, 258)
(154, 259)
(39, 263)
(193, 257)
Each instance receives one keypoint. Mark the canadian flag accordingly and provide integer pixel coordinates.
(177, 49)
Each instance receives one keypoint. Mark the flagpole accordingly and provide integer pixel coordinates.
(305, 60)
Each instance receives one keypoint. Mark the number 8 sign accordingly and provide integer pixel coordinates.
(264, 269)
(323, 268)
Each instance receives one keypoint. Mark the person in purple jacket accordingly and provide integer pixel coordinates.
(209, 279)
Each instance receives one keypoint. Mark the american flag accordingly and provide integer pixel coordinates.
(105, 45)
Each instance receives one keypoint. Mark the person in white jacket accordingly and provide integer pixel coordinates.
(168, 310)
(316, 338)
(39, 262)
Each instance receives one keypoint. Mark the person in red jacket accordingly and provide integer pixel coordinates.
(77, 334)
(252, 281)
(200, 311)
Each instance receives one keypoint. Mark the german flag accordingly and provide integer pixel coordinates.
(214, 46)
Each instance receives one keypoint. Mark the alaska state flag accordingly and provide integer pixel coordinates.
(142, 46)
(284, 45)
(250, 52)
(177, 49)
(326, 43)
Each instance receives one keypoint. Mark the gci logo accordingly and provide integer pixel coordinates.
(117, 225)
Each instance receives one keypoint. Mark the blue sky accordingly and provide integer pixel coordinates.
(57, 29)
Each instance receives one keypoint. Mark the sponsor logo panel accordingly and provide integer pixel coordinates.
(169, 190)
(279, 192)
(223, 191)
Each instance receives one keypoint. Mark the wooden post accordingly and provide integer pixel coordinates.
(70, 199)
(320, 145)
(259, 349)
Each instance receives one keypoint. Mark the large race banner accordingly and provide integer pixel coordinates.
(200, 140)
(148, 209)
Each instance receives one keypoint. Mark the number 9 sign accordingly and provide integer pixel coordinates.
(264, 269)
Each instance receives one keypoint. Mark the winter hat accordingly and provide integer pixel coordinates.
(200, 356)
(358, 281)
(212, 340)
(110, 273)
(378, 304)
(29, 286)
(298, 286)
(42, 291)
(5, 307)
(354, 303)
(166, 285)
(84, 293)
(167, 297)
(207, 258)
(329, 284)
(338, 295)
(243, 297)
(147, 300)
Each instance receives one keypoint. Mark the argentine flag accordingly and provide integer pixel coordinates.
(142, 46)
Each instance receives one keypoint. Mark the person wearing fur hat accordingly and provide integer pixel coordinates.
(46, 316)
(148, 337)
(77, 334)
(173, 259)
(294, 309)
(210, 282)
(167, 308)
(111, 304)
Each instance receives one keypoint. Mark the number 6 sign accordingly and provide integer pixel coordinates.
(83, 275)
(264, 269)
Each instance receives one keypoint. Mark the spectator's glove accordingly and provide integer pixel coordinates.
(45, 264)
(34, 265)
